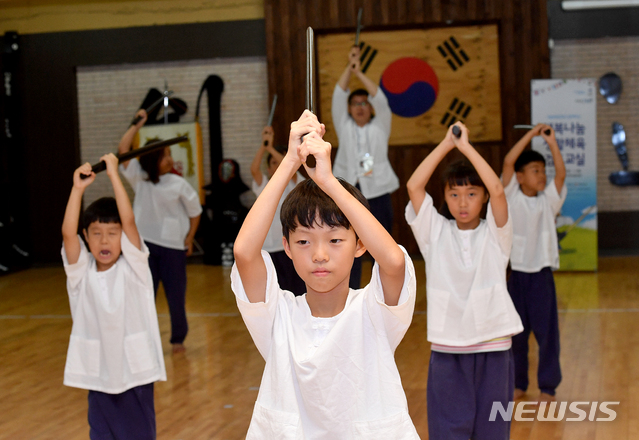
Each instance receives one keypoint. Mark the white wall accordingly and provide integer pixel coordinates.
(109, 96)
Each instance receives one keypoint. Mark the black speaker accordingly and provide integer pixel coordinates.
(14, 254)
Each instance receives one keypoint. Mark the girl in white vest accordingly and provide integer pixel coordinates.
(471, 317)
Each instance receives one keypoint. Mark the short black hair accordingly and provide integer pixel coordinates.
(150, 162)
(104, 210)
(460, 173)
(357, 92)
(307, 205)
(280, 149)
(527, 157)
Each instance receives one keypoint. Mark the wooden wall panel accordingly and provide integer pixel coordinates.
(475, 85)
(524, 55)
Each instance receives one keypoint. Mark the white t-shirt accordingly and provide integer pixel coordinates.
(115, 339)
(162, 210)
(468, 301)
(356, 141)
(273, 242)
(329, 378)
(535, 244)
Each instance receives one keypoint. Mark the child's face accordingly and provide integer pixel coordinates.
(166, 162)
(465, 203)
(360, 109)
(273, 163)
(323, 256)
(104, 243)
(532, 178)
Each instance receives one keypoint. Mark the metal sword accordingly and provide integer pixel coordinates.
(359, 25)
(310, 81)
(530, 127)
(151, 107)
(270, 116)
(359, 28)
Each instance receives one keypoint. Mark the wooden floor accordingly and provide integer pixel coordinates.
(212, 387)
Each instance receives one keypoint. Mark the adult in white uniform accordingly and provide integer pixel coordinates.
(167, 211)
(362, 156)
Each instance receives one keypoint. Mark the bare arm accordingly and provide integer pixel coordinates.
(498, 202)
(508, 168)
(370, 86)
(345, 78)
(266, 145)
(127, 140)
(372, 234)
(248, 244)
(188, 241)
(122, 200)
(72, 212)
(557, 158)
(416, 185)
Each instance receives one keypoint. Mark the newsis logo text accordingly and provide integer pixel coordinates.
(577, 411)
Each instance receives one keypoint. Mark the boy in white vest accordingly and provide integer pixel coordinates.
(535, 203)
(115, 350)
(330, 369)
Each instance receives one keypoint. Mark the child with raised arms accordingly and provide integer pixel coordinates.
(330, 370)
(167, 211)
(114, 350)
(470, 317)
(535, 203)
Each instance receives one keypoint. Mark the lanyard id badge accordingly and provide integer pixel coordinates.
(365, 165)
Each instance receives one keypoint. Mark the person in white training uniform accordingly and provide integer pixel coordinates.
(362, 156)
(330, 370)
(114, 350)
(535, 203)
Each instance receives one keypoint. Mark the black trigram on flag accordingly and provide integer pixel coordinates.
(367, 53)
(453, 53)
(458, 110)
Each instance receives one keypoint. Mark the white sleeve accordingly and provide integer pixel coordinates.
(260, 316)
(425, 224)
(513, 186)
(133, 172)
(190, 199)
(383, 114)
(504, 235)
(396, 319)
(75, 272)
(339, 109)
(257, 189)
(555, 199)
(138, 259)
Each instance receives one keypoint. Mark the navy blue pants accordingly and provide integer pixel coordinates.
(461, 391)
(169, 267)
(126, 416)
(287, 276)
(382, 209)
(536, 302)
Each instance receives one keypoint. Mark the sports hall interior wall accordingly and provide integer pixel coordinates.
(48, 61)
